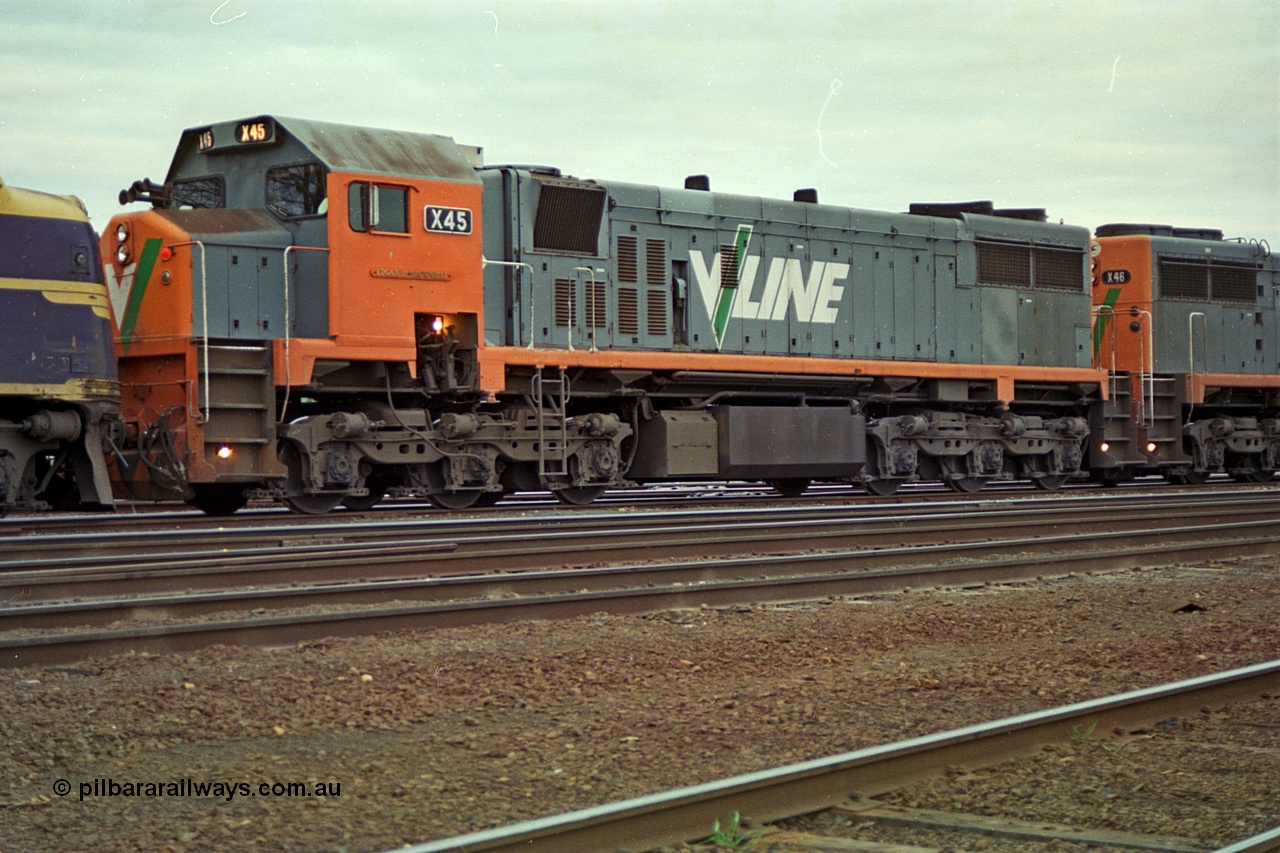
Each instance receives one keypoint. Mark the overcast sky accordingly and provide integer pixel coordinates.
(1100, 112)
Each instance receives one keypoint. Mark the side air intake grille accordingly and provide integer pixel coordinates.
(655, 270)
(628, 311)
(729, 266)
(628, 259)
(568, 218)
(564, 302)
(597, 305)
(657, 315)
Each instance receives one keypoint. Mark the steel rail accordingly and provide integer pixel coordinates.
(687, 813)
(1260, 843)
(31, 550)
(452, 602)
(330, 558)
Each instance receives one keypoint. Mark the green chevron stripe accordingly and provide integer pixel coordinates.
(724, 301)
(146, 263)
(1104, 317)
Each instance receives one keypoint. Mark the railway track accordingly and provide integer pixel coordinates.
(663, 533)
(151, 517)
(842, 786)
(248, 597)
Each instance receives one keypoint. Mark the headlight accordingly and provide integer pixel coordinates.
(122, 232)
(122, 254)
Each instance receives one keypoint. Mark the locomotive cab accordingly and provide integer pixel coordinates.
(286, 265)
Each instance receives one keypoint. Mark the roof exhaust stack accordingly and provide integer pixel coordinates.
(808, 195)
(698, 182)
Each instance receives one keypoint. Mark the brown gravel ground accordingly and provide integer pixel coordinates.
(442, 732)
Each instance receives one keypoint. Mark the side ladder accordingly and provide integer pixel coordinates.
(238, 403)
(551, 400)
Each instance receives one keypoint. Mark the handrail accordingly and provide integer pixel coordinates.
(204, 313)
(1191, 354)
(1146, 349)
(1109, 332)
(591, 272)
(288, 365)
(484, 262)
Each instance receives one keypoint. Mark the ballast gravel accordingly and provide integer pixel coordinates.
(401, 738)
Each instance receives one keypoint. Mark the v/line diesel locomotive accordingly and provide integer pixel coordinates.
(58, 384)
(324, 315)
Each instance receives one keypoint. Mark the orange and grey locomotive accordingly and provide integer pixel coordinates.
(1186, 325)
(324, 315)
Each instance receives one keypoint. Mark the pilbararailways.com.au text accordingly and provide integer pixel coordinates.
(228, 791)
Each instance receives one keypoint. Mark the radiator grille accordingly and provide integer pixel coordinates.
(628, 259)
(1184, 279)
(1026, 266)
(1233, 283)
(628, 311)
(1059, 268)
(1002, 263)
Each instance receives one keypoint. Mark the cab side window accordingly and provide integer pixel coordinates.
(297, 191)
(376, 207)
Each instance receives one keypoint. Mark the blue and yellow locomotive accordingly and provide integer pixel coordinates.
(58, 380)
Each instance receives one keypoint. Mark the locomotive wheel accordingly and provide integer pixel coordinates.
(580, 496)
(1253, 476)
(882, 487)
(455, 500)
(218, 498)
(489, 498)
(790, 487)
(1195, 478)
(1049, 482)
(365, 503)
(312, 504)
(967, 485)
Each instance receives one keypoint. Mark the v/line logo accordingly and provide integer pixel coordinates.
(127, 289)
(815, 297)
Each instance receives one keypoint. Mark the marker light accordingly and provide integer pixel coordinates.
(224, 452)
(1104, 447)
(166, 253)
(1151, 447)
(437, 325)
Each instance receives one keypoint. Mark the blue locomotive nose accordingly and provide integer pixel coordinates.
(58, 375)
(54, 326)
